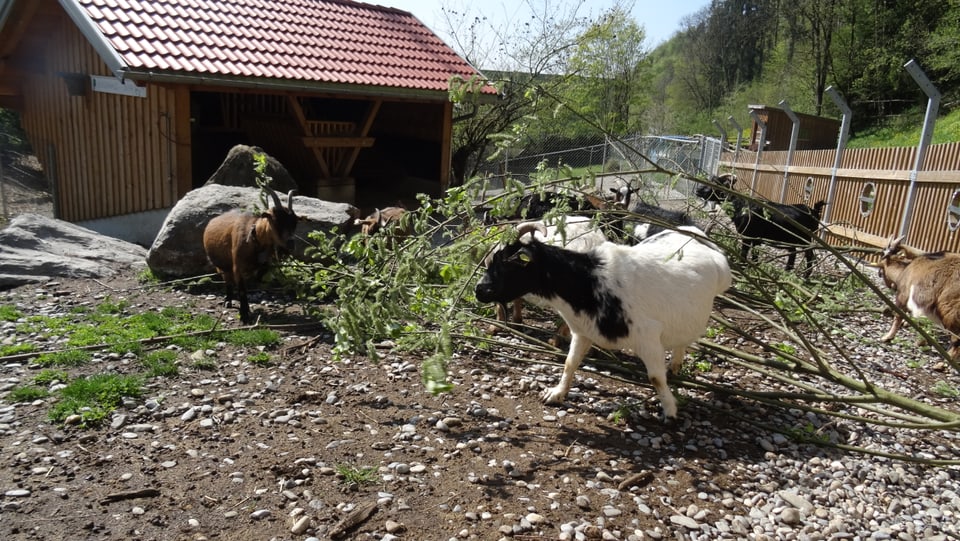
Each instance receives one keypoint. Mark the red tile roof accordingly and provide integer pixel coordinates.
(290, 43)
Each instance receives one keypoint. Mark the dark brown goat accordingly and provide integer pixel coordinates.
(241, 244)
(926, 285)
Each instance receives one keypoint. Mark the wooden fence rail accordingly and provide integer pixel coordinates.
(871, 191)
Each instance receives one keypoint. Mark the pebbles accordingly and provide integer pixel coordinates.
(263, 448)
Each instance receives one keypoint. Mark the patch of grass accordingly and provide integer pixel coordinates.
(146, 276)
(253, 337)
(945, 389)
(110, 325)
(356, 475)
(160, 363)
(41, 325)
(9, 313)
(48, 376)
(16, 349)
(95, 397)
(205, 363)
(621, 414)
(261, 358)
(27, 394)
(70, 357)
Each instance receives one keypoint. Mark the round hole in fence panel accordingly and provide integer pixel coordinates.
(808, 189)
(953, 211)
(868, 198)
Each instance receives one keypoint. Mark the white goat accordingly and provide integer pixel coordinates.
(651, 297)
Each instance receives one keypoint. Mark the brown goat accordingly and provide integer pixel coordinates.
(926, 285)
(241, 244)
(380, 219)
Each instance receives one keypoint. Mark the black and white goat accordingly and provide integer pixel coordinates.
(577, 233)
(785, 226)
(927, 284)
(651, 297)
(643, 220)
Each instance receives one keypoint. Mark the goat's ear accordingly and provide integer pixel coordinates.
(523, 257)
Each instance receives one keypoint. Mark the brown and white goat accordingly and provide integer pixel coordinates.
(241, 244)
(927, 284)
(382, 218)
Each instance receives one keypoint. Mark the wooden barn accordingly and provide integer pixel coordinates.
(816, 132)
(131, 104)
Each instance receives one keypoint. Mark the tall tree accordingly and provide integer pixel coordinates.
(610, 73)
(724, 44)
(810, 29)
(527, 54)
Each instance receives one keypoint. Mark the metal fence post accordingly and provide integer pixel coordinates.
(723, 141)
(760, 144)
(794, 133)
(736, 152)
(926, 135)
(841, 146)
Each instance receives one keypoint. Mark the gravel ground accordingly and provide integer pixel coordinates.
(232, 449)
(253, 452)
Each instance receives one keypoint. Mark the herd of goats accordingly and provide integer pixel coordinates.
(651, 291)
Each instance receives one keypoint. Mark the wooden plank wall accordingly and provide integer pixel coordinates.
(887, 168)
(109, 154)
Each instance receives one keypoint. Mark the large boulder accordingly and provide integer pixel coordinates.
(178, 249)
(36, 248)
(239, 169)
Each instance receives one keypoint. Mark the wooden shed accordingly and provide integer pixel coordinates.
(816, 132)
(130, 104)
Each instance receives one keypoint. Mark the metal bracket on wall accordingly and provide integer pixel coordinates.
(113, 85)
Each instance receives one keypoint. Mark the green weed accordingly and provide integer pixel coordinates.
(27, 394)
(354, 475)
(48, 376)
(94, 398)
(160, 363)
(69, 357)
(9, 313)
(261, 358)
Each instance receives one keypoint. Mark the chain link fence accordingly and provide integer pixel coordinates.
(613, 160)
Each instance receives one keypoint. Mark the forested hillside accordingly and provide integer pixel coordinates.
(737, 52)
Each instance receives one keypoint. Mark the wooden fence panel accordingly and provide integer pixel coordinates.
(888, 170)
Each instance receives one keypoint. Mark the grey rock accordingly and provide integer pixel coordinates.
(238, 169)
(35, 248)
(177, 251)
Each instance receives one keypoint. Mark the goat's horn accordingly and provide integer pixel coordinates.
(530, 227)
(894, 242)
(273, 195)
(290, 195)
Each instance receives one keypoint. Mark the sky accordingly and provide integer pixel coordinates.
(659, 18)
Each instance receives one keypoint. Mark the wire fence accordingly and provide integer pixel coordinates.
(613, 161)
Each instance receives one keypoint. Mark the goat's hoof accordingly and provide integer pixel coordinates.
(553, 396)
(668, 421)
